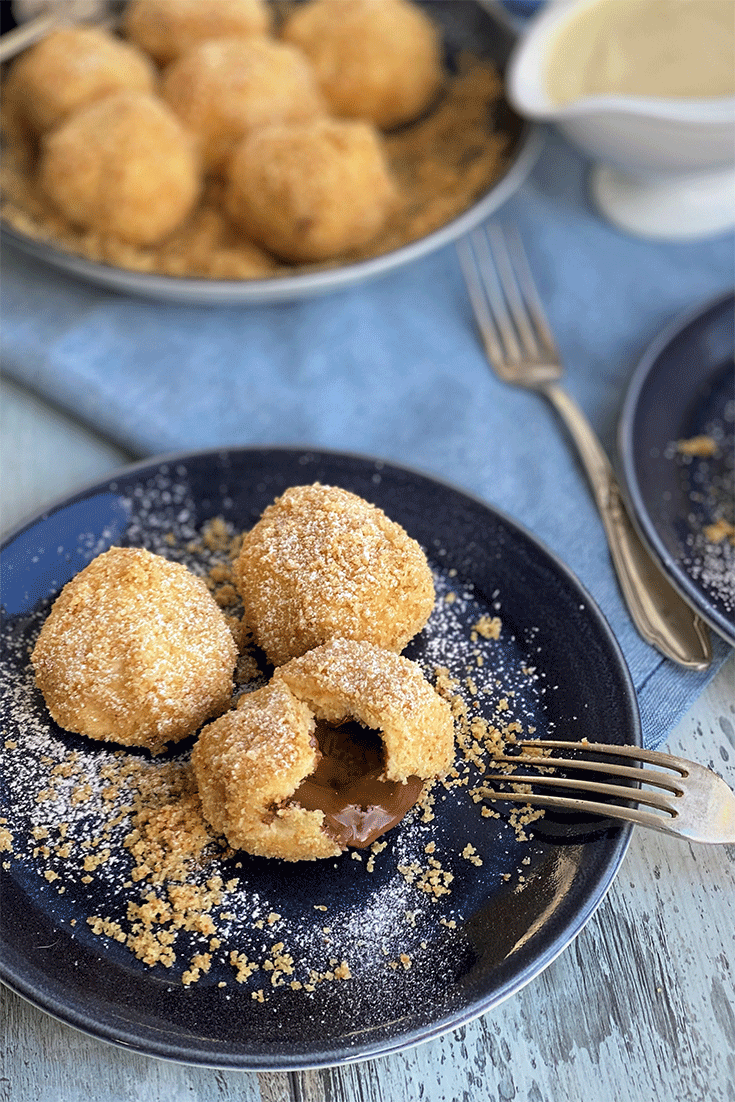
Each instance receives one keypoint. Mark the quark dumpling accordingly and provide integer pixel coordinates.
(166, 29)
(281, 777)
(71, 68)
(310, 191)
(123, 166)
(136, 651)
(378, 60)
(226, 88)
(322, 562)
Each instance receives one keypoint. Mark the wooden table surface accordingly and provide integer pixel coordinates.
(640, 1008)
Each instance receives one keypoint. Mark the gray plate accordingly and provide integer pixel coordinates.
(483, 28)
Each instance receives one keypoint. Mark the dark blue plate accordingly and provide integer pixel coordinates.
(512, 908)
(685, 387)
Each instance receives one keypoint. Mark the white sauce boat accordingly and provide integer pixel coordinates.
(665, 168)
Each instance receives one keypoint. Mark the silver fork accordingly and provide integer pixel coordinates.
(521, 349)
(695, 803)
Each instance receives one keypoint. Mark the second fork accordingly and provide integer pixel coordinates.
(522, 351)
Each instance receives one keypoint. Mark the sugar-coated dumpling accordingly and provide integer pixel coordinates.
(257, 766)
(374, 59)
(123, 166)
(166, 29)
(226, 88)
(310, 191)
(71, 68)
(323, 562)
(136, 651)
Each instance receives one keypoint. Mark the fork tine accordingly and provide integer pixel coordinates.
(509, 281)
(651, 819)
(652, 799)
(507, 309)
(496, 295)
(644, 776)
(473, 279)
(653, 757)
(699, 805)
(527, 284)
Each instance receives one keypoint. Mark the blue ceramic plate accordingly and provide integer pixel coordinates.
(421, 962)
(483, 28)
(684, 387)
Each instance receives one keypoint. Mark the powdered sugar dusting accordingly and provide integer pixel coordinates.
(707, 476)
(113, 845)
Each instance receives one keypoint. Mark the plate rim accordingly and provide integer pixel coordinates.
(645, 526)
(344, 1054)
(278, 289)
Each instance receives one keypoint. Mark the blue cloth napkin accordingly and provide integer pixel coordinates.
(394, 369)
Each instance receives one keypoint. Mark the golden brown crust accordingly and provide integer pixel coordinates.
(135, 651)
(345, 679)
(310, 191)
(248, 763)
(226, 88)
(375, 61)
(73, 67)
(123, 166)
(322, 562)
(166, 29)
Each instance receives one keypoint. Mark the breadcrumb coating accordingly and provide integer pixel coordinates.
(346, 679)
(226, 88)
(72, 67)
(166, 29)
(310, 191)
(442, 162)
(379, 61)
(250, 762)
(135, 651)
(123, 166)
(323, 562)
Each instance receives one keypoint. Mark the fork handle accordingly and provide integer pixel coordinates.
(661, 615)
